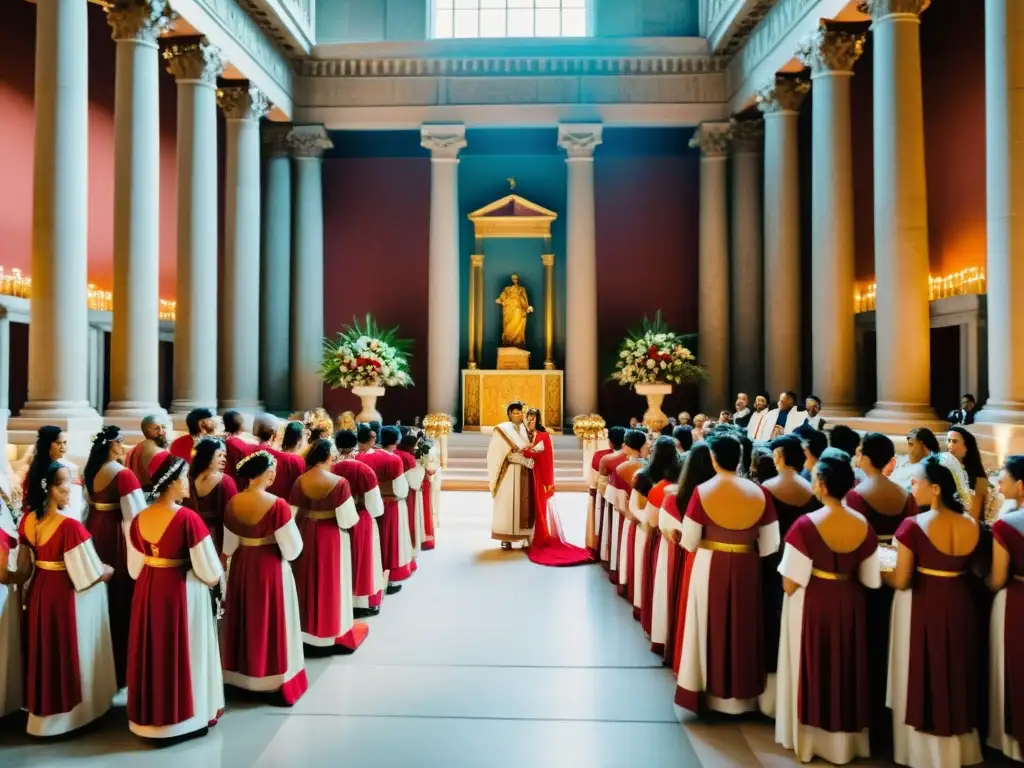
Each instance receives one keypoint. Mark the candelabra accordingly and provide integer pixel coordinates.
(962, 283)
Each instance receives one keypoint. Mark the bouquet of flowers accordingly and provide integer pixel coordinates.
(652, 354)
(366, 356)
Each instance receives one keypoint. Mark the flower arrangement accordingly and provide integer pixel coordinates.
(652, 354)
(366, 356)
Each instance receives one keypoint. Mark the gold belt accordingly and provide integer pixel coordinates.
(319, 515)
(104, 506)
(888, 537)
(943, 574)
(51, 565)
(163, 562)
(829, 576)
(721, 546)
(245, 541)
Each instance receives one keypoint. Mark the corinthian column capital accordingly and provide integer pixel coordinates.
(578, 140)
(830, 50)
(747, 135)
(880, 9)
(784, 93)
(194, 59)
(309, 141)
(712, 139)
(443, 141)
(141, 21)
(242, 101)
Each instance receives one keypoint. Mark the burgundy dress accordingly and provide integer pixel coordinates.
(1006, 732)
(367, 570)
(211, 507)
(428, 510)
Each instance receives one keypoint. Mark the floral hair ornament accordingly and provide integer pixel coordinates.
(254, 455)
(109, 434)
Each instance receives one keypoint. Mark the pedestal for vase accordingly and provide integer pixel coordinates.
(368, 397)
(654, 417)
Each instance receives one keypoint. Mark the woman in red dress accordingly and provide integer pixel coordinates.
(175, 686)
(729, 526)
(210, 487)
(69, 667)
(1006, 579)
(323, 572)
(548, 545)
(635, 447)
(114, 498)
(830, 556)
(664, 468)
(933, 692)
(261, 640)
(236, 446)
(427, 455)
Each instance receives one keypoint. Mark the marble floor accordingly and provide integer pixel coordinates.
(483, 659)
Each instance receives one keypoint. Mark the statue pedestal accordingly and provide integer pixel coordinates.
(513, 359)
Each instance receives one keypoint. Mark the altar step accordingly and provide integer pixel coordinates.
(467, 463)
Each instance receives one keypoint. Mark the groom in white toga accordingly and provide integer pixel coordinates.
(511, 482)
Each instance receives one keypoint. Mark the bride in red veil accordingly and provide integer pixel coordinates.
(548, 545)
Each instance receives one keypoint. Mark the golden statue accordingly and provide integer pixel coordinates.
(515, 306)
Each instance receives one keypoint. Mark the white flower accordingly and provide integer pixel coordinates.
(664, 365)
(650, 363)
(624, 353)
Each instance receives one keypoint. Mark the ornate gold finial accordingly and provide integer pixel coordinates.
(511, 183)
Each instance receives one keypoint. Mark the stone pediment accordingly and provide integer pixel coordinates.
(512, 216)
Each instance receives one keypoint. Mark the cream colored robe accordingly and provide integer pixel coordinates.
(510, 483)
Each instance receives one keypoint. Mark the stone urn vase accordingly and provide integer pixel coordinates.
(368, 397)
(654, 417)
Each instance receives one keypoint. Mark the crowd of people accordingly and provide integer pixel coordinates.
(217, 559)
(870, 609)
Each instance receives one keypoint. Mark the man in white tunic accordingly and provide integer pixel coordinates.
(510, 477)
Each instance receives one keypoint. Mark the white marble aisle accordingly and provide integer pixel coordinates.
(484, 659)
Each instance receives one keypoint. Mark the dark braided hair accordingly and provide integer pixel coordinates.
(39, 490)
(202, 455)
(319, 452)
(939, 475)
(45, 438)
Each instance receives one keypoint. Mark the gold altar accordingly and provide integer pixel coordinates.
(485, 394)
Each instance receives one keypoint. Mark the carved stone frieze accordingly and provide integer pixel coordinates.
(879, 9)
(747, 135)
(712, 139)
(193, 58)
(308, 141)
(579, 140)
(250, 36)
(738, 31)
(443, 141)
(141, 21)
(243, 101)
(777, 23)
(829, 49)
(785, 93)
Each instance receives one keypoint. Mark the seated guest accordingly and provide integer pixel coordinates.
(921, 443)
(722, 667)
(1006, 579)
(261, 640)
(620, 486)
(814, 419)
(814, 444)
(964, 447)
(174, 673)
(933, 693)
(684, 419)
(607, 537)
(593, 534)
(237, 444)
(965, 413)
(140, 455)
(762, 464)
(200, 422)
(741, 417)
(830, 557)
(210, 487)
(323, 572)
(725, 416)
(698, 426)
(634, 422)
(760, 425)
(783, 419)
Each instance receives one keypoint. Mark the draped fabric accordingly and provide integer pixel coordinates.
(548, 545)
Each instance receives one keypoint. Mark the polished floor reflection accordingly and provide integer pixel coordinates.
(484, 659)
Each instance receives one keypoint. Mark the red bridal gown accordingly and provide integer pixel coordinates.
(595, 508)
(395, 550)
(323, 572)
(261, 638)
(663, 595)
(175, 686)
(367, 569)
(548, 545)
(606, 493)
(879, 614)
(210, 507)
(933, 692)
(721, 665)
(1006, 686)
(650, 556)
(69, 666)
(10, 619)
(823, 700)
(110, 514)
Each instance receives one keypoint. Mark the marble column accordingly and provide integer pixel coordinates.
(134, 338)
(244, 105)
(308, 143)
(831, 52)
(901, 213)
(196, 65)
(780, 101)
(713, 340)
(444, 143)
(58, 344)
(1004, 161)
(581, 373)
(747, 268)
(276, 268)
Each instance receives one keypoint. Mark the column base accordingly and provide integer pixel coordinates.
(181, 407)
(57, 410)
(80, 429)
(892, 411)
(834, 412)
(133, 409)
(1001, 413)
(244, 406)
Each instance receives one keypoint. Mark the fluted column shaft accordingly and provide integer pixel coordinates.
(831, 54)
(780, 102)
(747, 268)
(196, 65)
(58, 348)
(1004, 161)
(444, 143)
(244, 106)
(275, 270)
(713, 269)
(308, 143)
(581, 374)
(901, 213)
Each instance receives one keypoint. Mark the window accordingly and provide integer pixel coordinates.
(509, 18)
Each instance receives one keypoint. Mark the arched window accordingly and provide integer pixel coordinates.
(509, 18)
